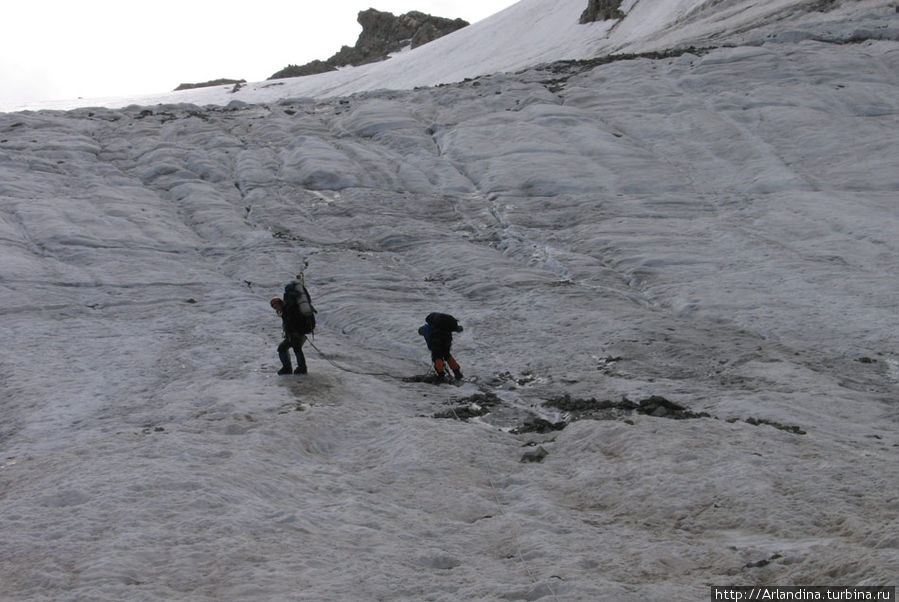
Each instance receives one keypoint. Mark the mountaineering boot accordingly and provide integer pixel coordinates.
(457, 373)
(285, 370)
(300, 370)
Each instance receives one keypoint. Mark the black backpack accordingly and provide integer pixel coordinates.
(298, 302)
(444, 322)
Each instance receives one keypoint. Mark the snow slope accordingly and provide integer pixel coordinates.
(717, 228)
(534, 32)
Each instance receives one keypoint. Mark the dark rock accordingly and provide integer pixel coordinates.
(763, 562)
(463, 413)
(539, 425)
(655, 405)
(479, 404)
(211, 83)
(487, 400)
(783, 427)
(536, 455)
(312, 68)
(660, 407)
(568, 404)
(602, 10)
(382, 34)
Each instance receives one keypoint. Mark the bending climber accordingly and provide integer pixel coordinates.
(438, 334)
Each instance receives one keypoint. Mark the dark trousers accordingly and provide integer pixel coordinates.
(293, 341)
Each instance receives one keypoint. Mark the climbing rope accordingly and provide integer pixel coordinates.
(345, 368)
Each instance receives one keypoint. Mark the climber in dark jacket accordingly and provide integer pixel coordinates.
(295, 329)
(438, 334)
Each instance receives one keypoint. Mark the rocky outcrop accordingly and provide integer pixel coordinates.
(382, 34)
(602, 10)
(214, 82)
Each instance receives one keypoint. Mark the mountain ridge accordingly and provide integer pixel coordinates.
(382, 34)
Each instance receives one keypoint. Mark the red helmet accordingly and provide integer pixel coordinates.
(276, 303)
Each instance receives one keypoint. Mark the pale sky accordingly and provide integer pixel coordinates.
(60, 49)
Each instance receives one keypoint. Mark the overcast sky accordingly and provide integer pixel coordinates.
(61, 49)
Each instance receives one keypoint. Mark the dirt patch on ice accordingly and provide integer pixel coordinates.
(790, 428)
(482, 404)
(479, 404)
(574, 409)
(539, 425)
(655, 405)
